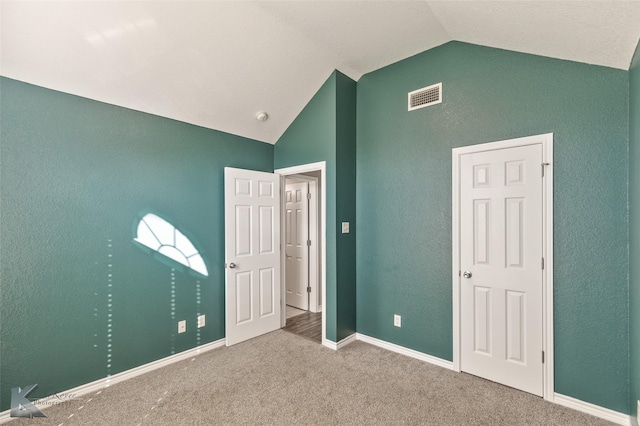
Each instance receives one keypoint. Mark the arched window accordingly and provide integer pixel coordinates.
(161, 236)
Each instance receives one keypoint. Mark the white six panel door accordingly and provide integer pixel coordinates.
(252, 253)
(501, 247)
(296, 248)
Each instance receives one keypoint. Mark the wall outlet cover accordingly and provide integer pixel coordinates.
(182, 326)
(397, 320)
(201, 321)
(345, 227)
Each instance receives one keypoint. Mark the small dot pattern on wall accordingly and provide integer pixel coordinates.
(109, 306)
(198, 312)
(173, 310)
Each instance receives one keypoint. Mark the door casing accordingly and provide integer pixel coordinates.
(546, 141)
(295, 170)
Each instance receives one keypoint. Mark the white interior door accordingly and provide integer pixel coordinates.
(501, 291)
(252, 253)
(296, 244)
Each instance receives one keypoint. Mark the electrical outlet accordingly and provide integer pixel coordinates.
(201, 321)
(182, 326)
(397, 320)
(345, 227)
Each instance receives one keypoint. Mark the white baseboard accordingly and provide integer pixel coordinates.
(405, 351)
(341, 344)
(330, 344)
(594, 410)
(87, 388)
(344, 342)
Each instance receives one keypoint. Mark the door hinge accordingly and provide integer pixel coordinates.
(543, 357)
(308, 243)
(308, 195)
(543, 263)
(544, 164)
(309, 289)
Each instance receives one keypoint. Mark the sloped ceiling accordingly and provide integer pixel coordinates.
(217, 63)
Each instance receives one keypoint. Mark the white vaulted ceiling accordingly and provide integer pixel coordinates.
(217, 63)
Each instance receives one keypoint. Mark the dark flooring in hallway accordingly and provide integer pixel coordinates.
(308, 325)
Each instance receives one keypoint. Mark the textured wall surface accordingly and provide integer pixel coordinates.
(325, 131)
(634, 230)
(309, 139)
(76, 176)
(404, 200)
(346, 204)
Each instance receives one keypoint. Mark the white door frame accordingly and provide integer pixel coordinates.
(314, 235)
(320, 166)
(546, 140)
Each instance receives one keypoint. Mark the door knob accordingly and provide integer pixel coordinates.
(232, 265)
(466, 274)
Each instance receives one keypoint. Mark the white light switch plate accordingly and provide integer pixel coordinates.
(201, 321)
(182, 326)
(345, 227)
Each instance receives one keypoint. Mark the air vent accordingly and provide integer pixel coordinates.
(425, 97)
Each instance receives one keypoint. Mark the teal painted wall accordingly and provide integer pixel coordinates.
(404, 200)
(325, 131)
(634, 230)
(346, 204)
(75, 176)
(309, 139)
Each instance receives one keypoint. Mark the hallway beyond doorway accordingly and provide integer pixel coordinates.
(307, 324)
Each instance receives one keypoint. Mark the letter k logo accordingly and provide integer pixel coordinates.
(21, 406)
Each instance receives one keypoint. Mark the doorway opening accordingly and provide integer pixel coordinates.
(303, 236)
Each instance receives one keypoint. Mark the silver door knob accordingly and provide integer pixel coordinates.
(466, 274)
(232, 265)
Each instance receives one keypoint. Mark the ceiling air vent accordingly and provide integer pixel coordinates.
(426, 96)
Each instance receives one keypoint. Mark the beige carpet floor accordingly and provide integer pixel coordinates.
(284, 379)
